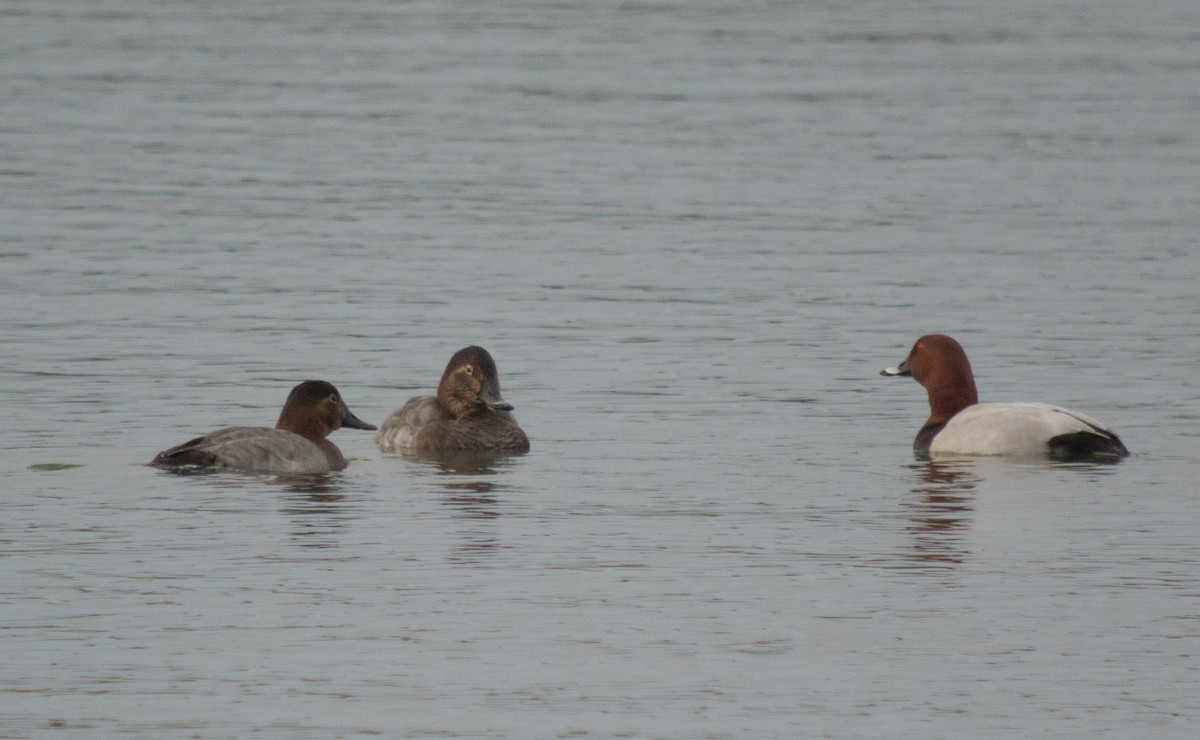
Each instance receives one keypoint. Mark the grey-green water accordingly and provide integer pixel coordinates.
(690, 234)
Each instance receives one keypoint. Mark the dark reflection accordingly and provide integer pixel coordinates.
(480, 466)
(317, 508)
(310, 484)
(470, 481)
(315, 504)
(468, 463)
(1097, 469)
(473, 504)
(941, 511)
(473, 499)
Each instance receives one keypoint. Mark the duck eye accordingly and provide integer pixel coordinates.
(469, 370)
(333, 399)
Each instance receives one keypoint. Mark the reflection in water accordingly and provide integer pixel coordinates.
(475, 505)
(469, 479)
(473, 499)
(315, 503)
(461, 464)
(470, 463)
(941, 511)
(309, 484)
(318, 509)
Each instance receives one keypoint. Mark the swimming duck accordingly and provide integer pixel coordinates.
(468, 414)
(297, 444)
(959, 425)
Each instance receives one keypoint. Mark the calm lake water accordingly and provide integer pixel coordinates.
(691, 234)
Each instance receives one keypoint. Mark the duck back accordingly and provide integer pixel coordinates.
(1026, 430)
(253, 449)
(422, 425)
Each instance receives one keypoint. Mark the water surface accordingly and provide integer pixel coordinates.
(690, 234)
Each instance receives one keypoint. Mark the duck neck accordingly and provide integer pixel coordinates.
(305, 426)
(948, 397)
(455, 405)
(314, 431)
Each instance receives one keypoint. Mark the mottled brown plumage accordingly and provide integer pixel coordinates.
(468, 414)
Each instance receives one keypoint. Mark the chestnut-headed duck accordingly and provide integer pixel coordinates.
(297, 445)
(959, 425)
(468, 413)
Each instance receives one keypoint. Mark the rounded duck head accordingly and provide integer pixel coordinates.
(939, 363)
(471, 384)
(314, 409)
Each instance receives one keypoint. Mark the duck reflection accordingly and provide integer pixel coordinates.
(473, 499)
(941, 511)
(318, 509)
(470, 482)
(468, 463)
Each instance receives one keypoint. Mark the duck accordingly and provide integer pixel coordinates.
(467, 414)
(297, 445)
(959, 425)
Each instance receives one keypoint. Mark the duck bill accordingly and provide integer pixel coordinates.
(354, 422)
(901, 369)
(490, 394)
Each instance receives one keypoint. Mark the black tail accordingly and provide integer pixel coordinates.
(1101, 446)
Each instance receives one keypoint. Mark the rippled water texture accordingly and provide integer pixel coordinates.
(691, 234)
